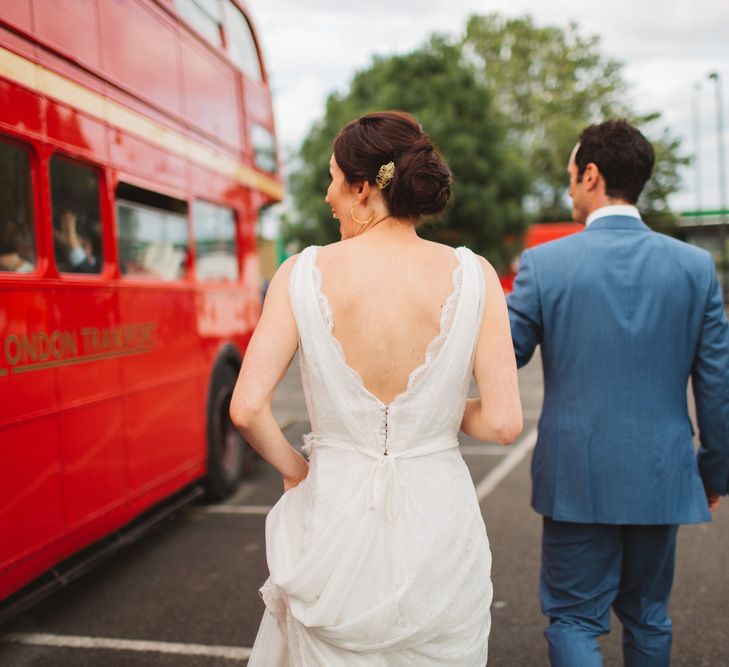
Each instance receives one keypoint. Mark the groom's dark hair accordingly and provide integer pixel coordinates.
(623, 155)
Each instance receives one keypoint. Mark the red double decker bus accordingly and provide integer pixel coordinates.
(136, 150)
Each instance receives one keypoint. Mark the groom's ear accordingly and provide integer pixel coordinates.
(591, 176)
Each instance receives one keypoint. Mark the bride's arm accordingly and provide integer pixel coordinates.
(496, 414)
(269, 353)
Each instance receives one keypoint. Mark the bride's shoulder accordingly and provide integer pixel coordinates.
(491, 278)
(444, 249)
(287, 266)
(488, 268)
(283, 273)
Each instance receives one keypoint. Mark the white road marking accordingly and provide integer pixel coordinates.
(141, 646)
(239, 509)
(517, 452)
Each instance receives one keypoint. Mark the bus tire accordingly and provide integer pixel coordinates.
(227, 449)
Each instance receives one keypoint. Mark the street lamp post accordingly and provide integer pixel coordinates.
(714, 76)
(697, 150)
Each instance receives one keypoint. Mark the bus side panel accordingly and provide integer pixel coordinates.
(17, 13)
(31, 502)
(259, 106)
(164, 433)
(19, 107)
(76, 130)
(71, 27)
(31, 508)
(228, 312)
(211, 100)
(133, 155)
(91, 424)
(140, 51)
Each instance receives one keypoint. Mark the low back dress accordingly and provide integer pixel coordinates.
(380, 556)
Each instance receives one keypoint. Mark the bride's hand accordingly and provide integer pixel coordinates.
(290, 482)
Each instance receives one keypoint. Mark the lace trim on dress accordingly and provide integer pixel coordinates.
(274, 599)
(431, 351)
(326, 311)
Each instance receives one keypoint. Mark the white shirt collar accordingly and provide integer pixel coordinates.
(616, 209)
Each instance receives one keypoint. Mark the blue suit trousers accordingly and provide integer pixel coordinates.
(589, 568)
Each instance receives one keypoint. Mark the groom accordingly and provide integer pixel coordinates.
(624, 317)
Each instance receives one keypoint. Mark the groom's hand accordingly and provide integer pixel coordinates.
(713, 499)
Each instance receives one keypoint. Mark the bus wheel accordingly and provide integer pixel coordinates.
(227, 449)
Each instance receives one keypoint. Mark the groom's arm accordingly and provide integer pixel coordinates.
(710, 379)
(525, 311)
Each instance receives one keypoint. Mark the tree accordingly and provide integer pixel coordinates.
(665, 181)
(441, 89)
(550, 83)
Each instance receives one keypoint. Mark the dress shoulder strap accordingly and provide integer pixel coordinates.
(476, 282)
(303, 295)
(473, 301)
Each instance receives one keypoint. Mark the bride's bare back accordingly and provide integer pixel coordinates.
(386, 302)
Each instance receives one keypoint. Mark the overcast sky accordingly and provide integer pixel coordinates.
(313, 47)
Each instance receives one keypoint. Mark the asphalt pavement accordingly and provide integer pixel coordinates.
(186, 594)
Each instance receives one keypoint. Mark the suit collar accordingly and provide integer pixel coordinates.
(618, 222)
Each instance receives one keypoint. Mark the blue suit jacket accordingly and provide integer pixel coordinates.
(624, 317)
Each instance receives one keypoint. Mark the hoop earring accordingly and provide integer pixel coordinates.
(356, 219)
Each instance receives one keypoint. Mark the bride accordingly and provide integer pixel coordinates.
(377, 550)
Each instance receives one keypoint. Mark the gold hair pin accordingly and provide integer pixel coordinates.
(385, 174)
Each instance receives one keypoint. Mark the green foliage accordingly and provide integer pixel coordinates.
(551, 83)
(505, 105)
(439, 87)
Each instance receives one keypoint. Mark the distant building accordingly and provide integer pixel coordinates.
(703, 229)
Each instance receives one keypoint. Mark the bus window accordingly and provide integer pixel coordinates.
(153, 234)
(215, 245)
(264, 148)
(76, 219)
(17, 233)
(241, 45)
(204, 16)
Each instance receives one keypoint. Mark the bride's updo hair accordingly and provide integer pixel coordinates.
(421, 182)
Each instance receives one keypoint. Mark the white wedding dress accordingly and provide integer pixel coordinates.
(380, 556)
